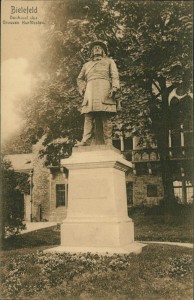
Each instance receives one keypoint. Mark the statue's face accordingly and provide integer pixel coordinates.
(97, 50)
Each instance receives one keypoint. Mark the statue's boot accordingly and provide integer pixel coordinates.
(108, 142)
(82, 143)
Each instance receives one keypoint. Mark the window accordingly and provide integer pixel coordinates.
(189, 194)
(152, 190)
(116, 143)
(141, 168)
(179, 188)
(128, 142)
(177, 185)
(60, 195)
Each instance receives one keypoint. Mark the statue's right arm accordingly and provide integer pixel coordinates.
(81, 82)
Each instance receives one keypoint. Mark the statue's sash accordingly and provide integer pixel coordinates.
(91, 67)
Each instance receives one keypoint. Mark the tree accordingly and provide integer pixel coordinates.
(151, 43)
(13, 185)
(17, 143)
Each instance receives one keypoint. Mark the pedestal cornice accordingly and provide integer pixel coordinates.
(100, 156)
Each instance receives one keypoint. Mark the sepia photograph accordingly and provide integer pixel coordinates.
(97, 179)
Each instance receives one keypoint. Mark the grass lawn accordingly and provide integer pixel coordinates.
(159, 272)
(154, 224)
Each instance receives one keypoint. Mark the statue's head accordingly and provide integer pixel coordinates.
(98, 48)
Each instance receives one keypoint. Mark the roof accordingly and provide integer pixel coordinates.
(21, 162)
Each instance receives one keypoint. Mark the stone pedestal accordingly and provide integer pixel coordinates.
(97, 219)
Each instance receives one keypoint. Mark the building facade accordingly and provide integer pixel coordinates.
(48, 198)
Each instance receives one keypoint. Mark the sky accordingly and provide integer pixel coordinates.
(16, 83)
(19, 47)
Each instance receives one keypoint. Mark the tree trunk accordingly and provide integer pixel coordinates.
(2, 231)
(163, 146)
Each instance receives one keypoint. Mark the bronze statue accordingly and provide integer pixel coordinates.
(98, 82)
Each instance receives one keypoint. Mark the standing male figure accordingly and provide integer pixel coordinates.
(98, 82)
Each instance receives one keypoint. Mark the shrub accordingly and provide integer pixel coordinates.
(12, 185)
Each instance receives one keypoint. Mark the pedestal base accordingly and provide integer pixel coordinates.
(97, 219)
(134, 247)
(97, 234)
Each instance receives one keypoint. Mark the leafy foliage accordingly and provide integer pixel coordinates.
(18, 143)
(12, 207)
(180, 266)
(151, 44)
(55, 268)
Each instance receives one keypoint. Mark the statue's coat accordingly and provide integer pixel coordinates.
(96, 79)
